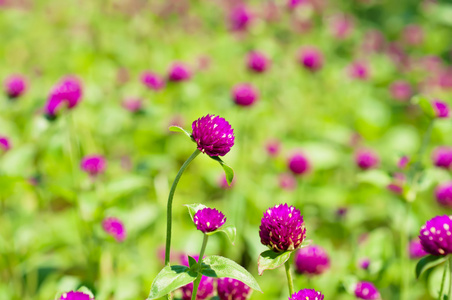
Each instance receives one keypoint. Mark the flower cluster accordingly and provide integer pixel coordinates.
(229, 288)
(213, 135)
(208, 219)
(436, 237)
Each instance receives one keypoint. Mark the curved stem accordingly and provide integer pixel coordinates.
(169, 210)
(441, 290)
(198, 279)
(289, 277)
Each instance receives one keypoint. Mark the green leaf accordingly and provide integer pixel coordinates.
(193, 208)
(169, 279)
(428, 262)
(228, 171)
(180, 129)
(269, 260)
(424, 104)
(229, 230)
(220, 267)
(191, 261)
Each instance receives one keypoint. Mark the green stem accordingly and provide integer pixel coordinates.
(404, 254)
(441, 290)
(450, 279)
(169, 212)
(198, 279)
(289, 277)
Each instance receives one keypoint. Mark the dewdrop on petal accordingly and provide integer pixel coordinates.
(436, 235)
(213, 135)
(307, 294)
(208, 219)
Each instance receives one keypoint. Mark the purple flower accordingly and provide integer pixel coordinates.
(403, 162)
(240, 18)
(415, 249)
(67, 91)
(435, 235)
(257, 62)
(443, 193)
(413, 35)
(441, 109)
(115, 228)
(364, 263)
(213, 135)
(366, 290)
(299, 164)
(366, 159)
(442, 157)
(15, 86)
(152, 80)
(358, 70)
(208, 219)
(282, 228)
(401, 90)
(311, 260)
(132, 104)
(75, 296)
(341, 26)
(232, 289)
(93, 164)
(311, 58)
(287, 181)
(244, 94)
(205, 288)
(273, 147)
(5, 143)
(307, 294)
(179, 72)
(397, 184)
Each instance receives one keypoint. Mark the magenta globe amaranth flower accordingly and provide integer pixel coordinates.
(15, 86)
(240, 18)
(208, 219)
(311, 260)
(179, 72)
(435, 235)
(415, 249)
(273, 146)
(366, 290)
(299, 164)
(67, 91)
(257, 62)
(307, 294)
(366, 159)
(232, 289)
(403, 162)
(341, 26)
(5, 143)
(133, 105)
(244, 94)
(282, 228)
(287, 181)
(401, 90)
(441, 109)
(93, 164)
(364, 263)
(213, 135)
(443, 194)
(310, 58)
(358, 70)
(413, 35)
(75, 296)
(442, 157)
(115, 228)
(152, 81)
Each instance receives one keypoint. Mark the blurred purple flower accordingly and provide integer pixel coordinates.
(441, 109)
(223, 183)
(244, 94)
(415, 249)
(366, 290)
(287, 181)
(311, 260)
(358, 70)
(179, 72)
(232, 289)
(257, 62)
(435, 235)
(311, 58)
(115, 228)
(364, 263)
(397, 184)
(341, 26)
(73, 295)
(93, 164)
(403, 162)
(213, 135)
(299, 164)
(152, 80)
(240, 18)
(273, 146)
(374, 41)
(67, 91)
(413, 35)
(205, 288)
(282, 228)
(366, 159)
(307, 294)
(132, 104)
(443, 194)
(5, 143)
(442, 157)
(401, 90)
(15, 86)
(208, 219)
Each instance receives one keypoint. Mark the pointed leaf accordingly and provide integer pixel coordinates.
(269, 260)
(193, 208)
(191, 261)
(229, 230)
(180, 129)
(228, 171)
(169, 279)
(428, 262)
(424, 104)
(220, 267)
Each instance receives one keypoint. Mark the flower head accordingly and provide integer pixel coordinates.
(240, 18)
(179, 72)
(133, 105)
(75, 296)
(5, 143)
(213, 135)
(282, 228)
(115, 228)
(403, 162)
(358, 70)
(364, 263)
(311, 260)
(413, 35)
(435, 235)
(67, 91)
(244, 94)
(229, 288)
(442, 157)
(401, 90)
(415, 249)
(366, 290)
(93, 164)
(307, 294)
(257, 62)
(208, 219)
(311, 58)
(152, 80)
(15, 86)
(341, 26)
(443, 193)
(299, 164)
(441, 109)
(366, 159)
(273, 147)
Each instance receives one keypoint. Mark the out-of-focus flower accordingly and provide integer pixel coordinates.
(73, 295)
(341, 26)
(441, 109)
(443, 194)
(179, 72)
(374, 41)
(413, 35)
(257, 62)
(223, 182)
(435, 235)
(5, 143)
(415, 249)
(273, 146)
(366, 159)
(213, 135)
(299, 164)
(152, 80)
(366, 290)
(310, 58)
(67, 91)
(311, 260)
(442, 157)
(205, 288)
(133, 105)
(208, 219)
(401, 90)
(358, 70)
(244, 94)
(403, 162)
(397, 183)
(115, 228)
(282, 228)
(364, 263)
(287, 181)
(240, 18)
(307, 294)
(93, 164)
(15, 86)
(232, 289)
